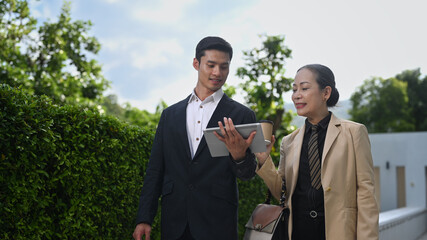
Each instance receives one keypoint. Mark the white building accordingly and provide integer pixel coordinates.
(400, 161)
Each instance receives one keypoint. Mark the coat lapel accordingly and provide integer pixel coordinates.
(331, 134)
(297, 155)
(181, 123)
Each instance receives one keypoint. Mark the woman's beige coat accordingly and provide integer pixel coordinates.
(351, 209)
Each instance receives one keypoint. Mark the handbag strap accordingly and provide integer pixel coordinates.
(267, 197)
(282, 195)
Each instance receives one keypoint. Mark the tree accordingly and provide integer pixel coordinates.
(16, 24)
(133, 115)
(52, 61)
(417, 98)
(265, 83)
(144, 118)
(383, 106)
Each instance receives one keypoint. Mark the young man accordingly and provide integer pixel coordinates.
(199, 196)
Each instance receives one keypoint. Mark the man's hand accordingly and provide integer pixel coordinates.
(141, 230)
(234, 142)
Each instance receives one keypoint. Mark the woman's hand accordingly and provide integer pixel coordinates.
(262, 156)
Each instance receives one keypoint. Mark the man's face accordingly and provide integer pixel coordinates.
(213, 70)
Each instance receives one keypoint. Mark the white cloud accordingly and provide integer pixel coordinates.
(155, 53)
(112, 1)
(143, 53)
(358, 39)
(119, 44)
(171, 93)
(39, 10)
(164, 12)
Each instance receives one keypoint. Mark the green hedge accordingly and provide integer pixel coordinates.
(251, 193)
(67, 172)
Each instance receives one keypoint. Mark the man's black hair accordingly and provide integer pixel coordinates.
(216, 43)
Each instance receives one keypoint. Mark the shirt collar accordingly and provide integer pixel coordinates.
(215, 97)
(193, 97)
(323, 124)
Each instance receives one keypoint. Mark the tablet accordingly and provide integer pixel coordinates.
(218, 148)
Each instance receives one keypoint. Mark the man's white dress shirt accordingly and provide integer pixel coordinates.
(198, 115)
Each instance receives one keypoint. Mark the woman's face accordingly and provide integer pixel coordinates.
(308, 98)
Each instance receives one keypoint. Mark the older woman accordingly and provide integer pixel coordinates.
(326, 164)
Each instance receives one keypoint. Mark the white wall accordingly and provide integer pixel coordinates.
(403, 223)
(401, 149)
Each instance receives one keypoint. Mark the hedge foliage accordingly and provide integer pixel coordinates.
(251, 193)
(67, 172)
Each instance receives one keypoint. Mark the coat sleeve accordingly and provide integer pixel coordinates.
(271, 177)
(245, 169)
(151, 190)
(368, 212)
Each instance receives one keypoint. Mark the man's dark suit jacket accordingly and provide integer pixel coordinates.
(201, 192)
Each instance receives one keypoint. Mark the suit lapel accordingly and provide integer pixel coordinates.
(223, 109)
(220, 112)
(297, 155)
(181, 123)
(331, 134)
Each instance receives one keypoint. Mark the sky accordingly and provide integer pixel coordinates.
(148, 46)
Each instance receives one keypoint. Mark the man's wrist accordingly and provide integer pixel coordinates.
(239, 159)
